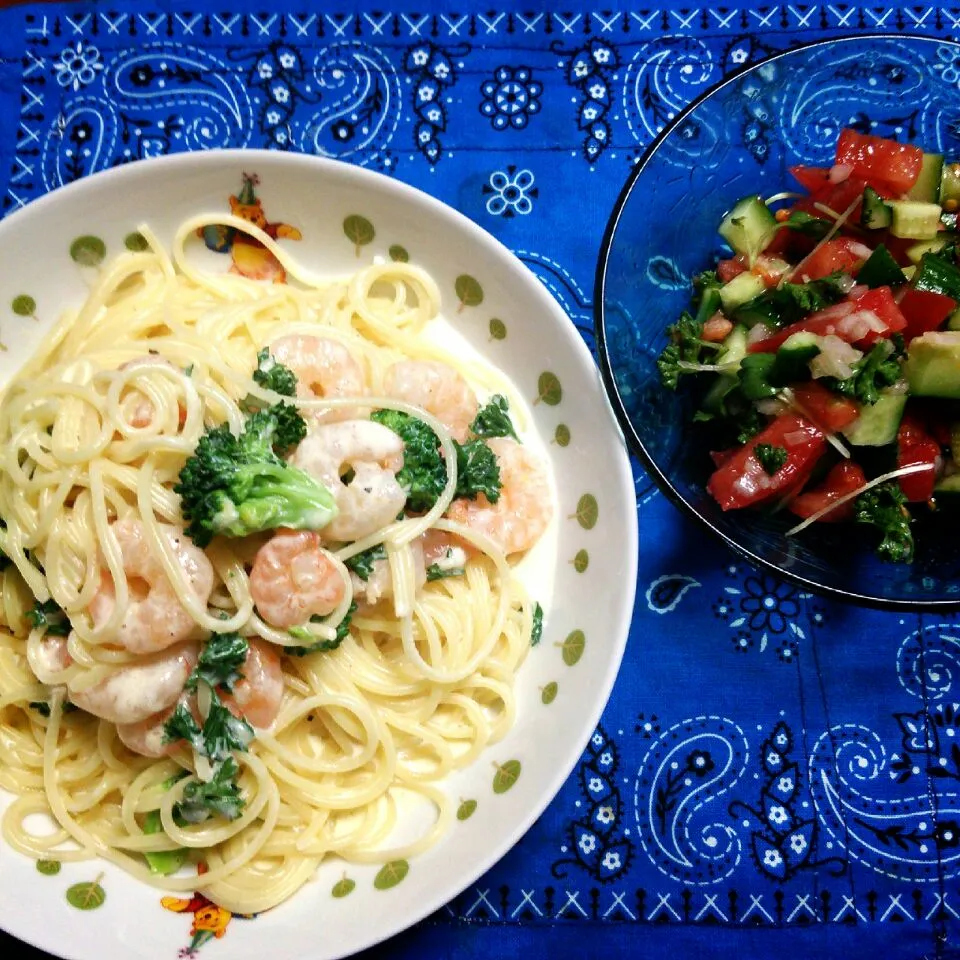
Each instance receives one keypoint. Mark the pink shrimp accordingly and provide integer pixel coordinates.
(293, 578)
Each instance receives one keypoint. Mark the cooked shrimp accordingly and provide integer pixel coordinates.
(372, 498)
(258, 695)
(523, 511)
(293, 578)
(154, 618)
(141, 409)
(436, 387)
(324, 368)
(138, 690)
(147, 736)
(256, 698)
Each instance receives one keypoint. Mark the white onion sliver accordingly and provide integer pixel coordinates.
(840, 501)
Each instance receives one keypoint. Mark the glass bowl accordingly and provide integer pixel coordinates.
(739, 138)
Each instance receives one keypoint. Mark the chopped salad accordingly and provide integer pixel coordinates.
(826, 349)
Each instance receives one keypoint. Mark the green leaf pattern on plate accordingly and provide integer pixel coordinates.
(581, 561)
(466, 809)
(498, 329)
(549, 390)
(343, 888)
(572, 647)
(359, 230)
(88, 251)
(506, 776)
(87, 896)
(390, 874)
(468, 290)
(135, 242)
(398, 254)
(549, 693)
(587, 511)
(24, 305)
(49, 868)
(561, 435)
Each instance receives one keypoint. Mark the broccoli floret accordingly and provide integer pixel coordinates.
(424, 472)
(235, 486)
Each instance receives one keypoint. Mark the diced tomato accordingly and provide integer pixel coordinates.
(924, 311)
(768, 268)
(876, 158)
(860, 320)
(827, 409)
(716, 328)
(915, 445)
(837, 197)
(811, 179)
(730, 268)
(840, 253)
(720, 457)
(844, 478)
(742, 482)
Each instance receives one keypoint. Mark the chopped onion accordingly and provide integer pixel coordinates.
(840, 501)
(758, 332)
(859, 249)
(846, 284)
(785, 195)
(840, 172)
(771, 407)
(835, 359)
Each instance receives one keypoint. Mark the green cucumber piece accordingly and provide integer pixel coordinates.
(953, 321)
(937, 275)
(927, 186)
(732, 351)
(874, 212)
(162, 862)
(916, 252)
(932, 367)
(881, 270)
(739, 290)
(878, 422)
(749, 226)
(914, 219)
(950, 186)
(793, 358)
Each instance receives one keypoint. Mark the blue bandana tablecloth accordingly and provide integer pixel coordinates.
(775, 774)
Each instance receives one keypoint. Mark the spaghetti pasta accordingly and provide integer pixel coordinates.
(375, 701)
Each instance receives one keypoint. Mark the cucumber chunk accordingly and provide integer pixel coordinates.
(874, 213)
(749, 226)
(932, 368)
(950, 186)
(881, 270)
(914, 219)
(743, 287)
(927, 186)
(937, 275)
(878, 423)
(916, 252)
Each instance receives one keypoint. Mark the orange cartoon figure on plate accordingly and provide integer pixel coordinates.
(209, 921)
(251, 258)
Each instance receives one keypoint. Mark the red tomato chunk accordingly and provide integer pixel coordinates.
(741, 481)
(843, 479)
(878, 159)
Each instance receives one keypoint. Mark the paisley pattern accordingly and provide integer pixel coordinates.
(767, 758)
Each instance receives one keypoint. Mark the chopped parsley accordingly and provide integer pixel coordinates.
(49, 617)
(220, 661)
(884, 507)
(221, 794)
(362, 563)
(493, 419)
(878, 368)
(772, 458)
(536, 634)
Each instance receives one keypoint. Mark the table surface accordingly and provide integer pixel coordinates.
(760, 781)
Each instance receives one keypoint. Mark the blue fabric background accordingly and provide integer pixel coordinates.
(775, 773)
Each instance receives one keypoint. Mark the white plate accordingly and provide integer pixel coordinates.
(504, 313)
